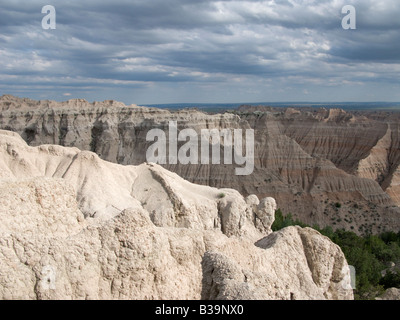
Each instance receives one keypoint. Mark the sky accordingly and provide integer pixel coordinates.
(201, 51)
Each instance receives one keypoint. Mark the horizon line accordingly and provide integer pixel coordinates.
(220, 103)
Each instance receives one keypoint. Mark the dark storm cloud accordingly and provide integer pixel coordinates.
(134, 43)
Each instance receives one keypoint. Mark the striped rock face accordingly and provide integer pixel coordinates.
(326, 167)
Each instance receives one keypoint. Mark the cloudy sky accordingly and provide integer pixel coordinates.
(171, 51)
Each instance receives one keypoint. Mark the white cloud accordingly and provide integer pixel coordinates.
(209, 45)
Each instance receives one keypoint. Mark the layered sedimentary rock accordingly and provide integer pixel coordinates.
(303, 176)
(328, 167)
(74, 226)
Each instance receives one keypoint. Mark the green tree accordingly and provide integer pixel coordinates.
(383, 251)
(390, 280)
(282, 221)
(389, 236)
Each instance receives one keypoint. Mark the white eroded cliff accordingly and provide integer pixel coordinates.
(74, 226)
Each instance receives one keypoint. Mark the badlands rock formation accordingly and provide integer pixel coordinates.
(390, 294)
(74, 226)
(328, 167)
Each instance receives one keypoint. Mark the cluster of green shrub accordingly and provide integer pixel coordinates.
(370, 255)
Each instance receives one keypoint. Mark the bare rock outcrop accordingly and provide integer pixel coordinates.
(105, 189)
(390, 294)
(74, 226)
(26, 207)
(302, 254)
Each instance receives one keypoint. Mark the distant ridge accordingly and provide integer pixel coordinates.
(351, 106)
